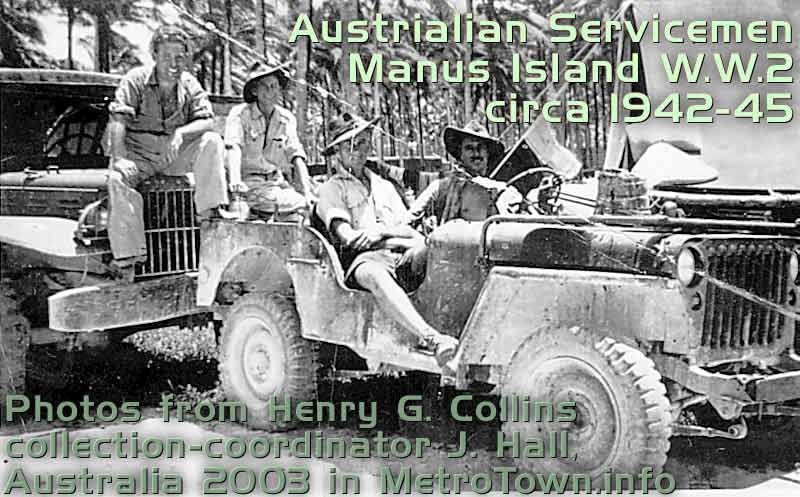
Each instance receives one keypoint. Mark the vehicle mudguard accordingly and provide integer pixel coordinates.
(515, 304)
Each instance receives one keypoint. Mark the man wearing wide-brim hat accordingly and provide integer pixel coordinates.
(263, 147)
(365, 214)
(465, 193)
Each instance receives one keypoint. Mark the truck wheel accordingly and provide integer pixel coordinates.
(263, 355)
(14, 337)
(622, 415)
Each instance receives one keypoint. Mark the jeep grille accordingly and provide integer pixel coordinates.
(172, 233)
(734, 321)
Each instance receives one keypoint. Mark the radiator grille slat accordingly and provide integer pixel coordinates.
(171, 230)
(731, 320)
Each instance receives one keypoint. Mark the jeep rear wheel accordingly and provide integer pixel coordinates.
(263, 355)
(14, 336)
(622, 415)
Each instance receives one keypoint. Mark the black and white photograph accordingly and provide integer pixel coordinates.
(393, 247)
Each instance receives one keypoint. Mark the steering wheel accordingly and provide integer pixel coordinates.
(549, 190)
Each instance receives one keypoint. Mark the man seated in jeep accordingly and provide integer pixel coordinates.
(364, 213)
(465, 193)
(262, 146)
(160, 123)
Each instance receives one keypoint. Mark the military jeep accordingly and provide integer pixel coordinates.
(639, 320)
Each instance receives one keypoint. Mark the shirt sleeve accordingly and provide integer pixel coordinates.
(199, 103)
(331, 205)
(128, 95)
(424, 204)
(234, 129)
(294, 148)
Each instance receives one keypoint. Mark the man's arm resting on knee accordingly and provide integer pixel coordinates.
(355, 239)
(402, 236)
(189, 130)
(117, 124)
(196, 128)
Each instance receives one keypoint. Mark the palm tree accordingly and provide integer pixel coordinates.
(20, 35)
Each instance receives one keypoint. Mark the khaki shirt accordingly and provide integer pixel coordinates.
(347, 198)
(276, 142)
(153, 120)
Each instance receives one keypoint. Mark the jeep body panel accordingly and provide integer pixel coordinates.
(122, 304)
(290, 259)
(517, 304)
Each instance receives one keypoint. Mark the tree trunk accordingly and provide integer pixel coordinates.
(376, 92)
(227, 84)
(419, 120)
(102, 49)
(70, 26)
(213, 87)
(260, 23)
(467, 87)
(302, 89)
(349, 90)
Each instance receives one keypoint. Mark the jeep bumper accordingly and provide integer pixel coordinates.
(776, 388)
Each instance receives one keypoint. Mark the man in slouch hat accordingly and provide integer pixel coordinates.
(465, 193)
(365, 214)
(263, 147)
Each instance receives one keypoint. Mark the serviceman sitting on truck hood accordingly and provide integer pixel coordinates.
(160, 123)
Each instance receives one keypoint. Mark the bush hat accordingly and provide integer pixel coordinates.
(257, 72)
(453, 137)
(344, 128)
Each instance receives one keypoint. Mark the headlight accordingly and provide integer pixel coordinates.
(688, 267)
(92, 222)
(794, 267)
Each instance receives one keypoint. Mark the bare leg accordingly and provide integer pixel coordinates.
(393, 299)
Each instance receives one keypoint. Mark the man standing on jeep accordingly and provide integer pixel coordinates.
(465, 193)
(160, 123)
(262, 143)
(365, 214)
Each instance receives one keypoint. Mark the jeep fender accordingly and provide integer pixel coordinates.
(515, 304)
(287, 258)
(252, 254)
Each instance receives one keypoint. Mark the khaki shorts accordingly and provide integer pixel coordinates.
(268, 193)
(406, 274)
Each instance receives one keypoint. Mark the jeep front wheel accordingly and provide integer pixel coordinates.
(622, 419)
(264, 356)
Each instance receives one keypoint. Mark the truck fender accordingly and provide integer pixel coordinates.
(47, 241)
